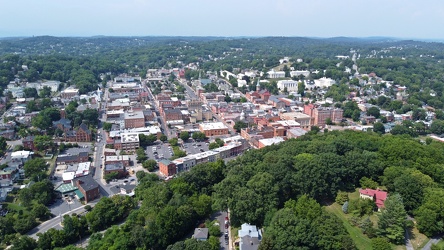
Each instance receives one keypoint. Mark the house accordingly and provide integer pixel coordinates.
(127, 189)
(250, 237)
(200, 234)
(88, 188)
(167, 167)
(377, 195)
(28, 143)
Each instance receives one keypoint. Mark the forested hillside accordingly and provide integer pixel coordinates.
(261, 186)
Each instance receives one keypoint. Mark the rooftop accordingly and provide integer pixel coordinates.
(212, 125)
(87, 182)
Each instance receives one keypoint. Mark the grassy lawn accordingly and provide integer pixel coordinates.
(361, 241)
(418, 239)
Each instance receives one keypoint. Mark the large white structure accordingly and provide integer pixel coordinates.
(321, 83)
(297, 73)
(275, 74)
(291, 85)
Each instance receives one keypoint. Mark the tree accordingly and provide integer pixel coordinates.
(30, 92)
(199, 136)
(45, 92)
(146, 140)
(173, 141)
(374, 111)
(24, 243)
(437, 127)
(35, 169)
(40, 211)
(240, 125)
(392, 219)
(328, 121)
(381, 244)
(141, 156)
(345, 207)
(341, 197)
(150, 165)
(301, 88)
(111, 176)
(43, 142)
(107, 126)
(430, 216)
(213, 145)
(368, 183)
(163, 138)
(378, 128)
(184, 135)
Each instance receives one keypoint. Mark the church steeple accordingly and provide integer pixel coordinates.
(258, 86)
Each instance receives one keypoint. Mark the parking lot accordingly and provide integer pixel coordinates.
(195, 147)
(159, 151)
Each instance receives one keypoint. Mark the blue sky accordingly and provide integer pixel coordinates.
(315, 18)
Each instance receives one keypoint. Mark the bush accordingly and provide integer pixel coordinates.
(341, 197)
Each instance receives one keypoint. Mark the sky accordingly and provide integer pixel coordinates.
(422, 19)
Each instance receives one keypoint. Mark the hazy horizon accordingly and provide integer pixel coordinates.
(246, 18)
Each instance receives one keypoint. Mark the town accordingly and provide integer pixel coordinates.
(66, 147)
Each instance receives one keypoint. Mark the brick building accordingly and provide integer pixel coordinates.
(172, 114)
(213, 128)
(134, 119)
(28, 142)
(167, 167)
(88, 188)
(319, 115)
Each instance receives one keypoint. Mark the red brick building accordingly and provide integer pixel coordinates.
(167, 168)
(319, 115)
(88, 187)
(28, 142)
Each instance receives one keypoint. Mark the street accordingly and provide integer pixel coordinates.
(56, 221)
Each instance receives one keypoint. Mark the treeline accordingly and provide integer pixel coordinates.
(168, 211)
(260, 182)
(106, 212)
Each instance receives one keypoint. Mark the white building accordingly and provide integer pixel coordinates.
(272, 74)
(291, 85)
(296, 73)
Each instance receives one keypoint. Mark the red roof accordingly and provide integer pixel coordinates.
(379, 195)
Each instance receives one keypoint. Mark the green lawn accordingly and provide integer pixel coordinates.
(361, 241)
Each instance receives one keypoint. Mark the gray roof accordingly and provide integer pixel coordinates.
(200, 233)
(249, 243)
(87, 182)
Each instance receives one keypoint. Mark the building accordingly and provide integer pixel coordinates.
(200, 234)
(213, 128)
(270, 141)
(83, 134)
(62, 124)
(117, 167)
(250, 237)
(167, 168)
(275, 74)
(28, 143)
(128, 141)
(115, 159)
(378, 196)
(319, 115)
(295, 133)
(88, 188)
(289, 85)
(68, 158)
(69, 93)
(134, 119)
(172, 114)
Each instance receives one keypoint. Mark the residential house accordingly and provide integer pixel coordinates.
(28, 143)
(250, 237)
(200, 234)
(378, 196)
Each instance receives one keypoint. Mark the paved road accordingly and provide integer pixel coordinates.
(408, 243)
(220, 216)
(56, 221)
(433, 240)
